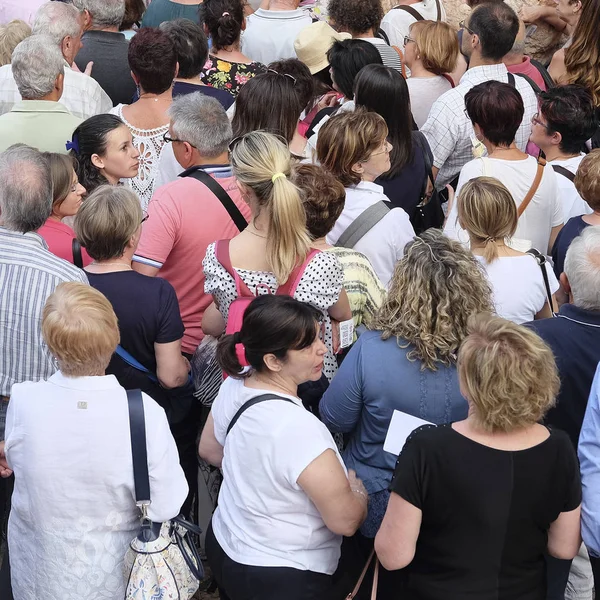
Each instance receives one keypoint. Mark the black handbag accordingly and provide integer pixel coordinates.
(428, 213)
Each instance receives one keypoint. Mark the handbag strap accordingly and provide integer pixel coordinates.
(217, 189)
(541, 261)
(137, 428)
(133, 362)
(250, 404)
(402, 65)
(362, 225)
(424, 145)
(356, 589)
(449, 79)
(564, 172)
(534, 186)
(415, 13)
(76, 250)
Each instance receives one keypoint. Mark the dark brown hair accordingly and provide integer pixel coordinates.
(61, 174)
(323, 197)
(152, 59)
(223, 19)
(304, 84)
(134, 9)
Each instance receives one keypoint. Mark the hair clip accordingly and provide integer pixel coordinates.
(73, 145)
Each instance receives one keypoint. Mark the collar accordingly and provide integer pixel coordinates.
(368, 186)
(476, 75)
(31, 238)
(207, 169)
(108, 36)
(579, 315)
(58, 225)
(40, 106)
(100, 382)
(279, 14)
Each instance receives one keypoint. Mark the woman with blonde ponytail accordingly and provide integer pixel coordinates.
(488, 213)
(274, 243)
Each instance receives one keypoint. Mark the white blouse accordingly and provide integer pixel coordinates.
(73, 507)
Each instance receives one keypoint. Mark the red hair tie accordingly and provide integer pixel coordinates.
(240, 352)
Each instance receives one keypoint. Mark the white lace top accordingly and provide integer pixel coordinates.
(150, 143)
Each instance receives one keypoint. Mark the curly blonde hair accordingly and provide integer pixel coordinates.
(507, 373)
(436, 287)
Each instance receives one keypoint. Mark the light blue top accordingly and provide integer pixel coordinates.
(375, 379)
(589, 462)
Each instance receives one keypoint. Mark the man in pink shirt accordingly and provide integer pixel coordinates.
(185, 216)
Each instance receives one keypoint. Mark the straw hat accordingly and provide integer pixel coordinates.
(313, 42)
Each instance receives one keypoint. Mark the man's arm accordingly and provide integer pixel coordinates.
(144, 268)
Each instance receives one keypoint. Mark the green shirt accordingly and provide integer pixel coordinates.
(160, 11)
(43, 124)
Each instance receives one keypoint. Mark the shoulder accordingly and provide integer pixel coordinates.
(61, 269)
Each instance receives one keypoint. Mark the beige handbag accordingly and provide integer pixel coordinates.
(353, 593)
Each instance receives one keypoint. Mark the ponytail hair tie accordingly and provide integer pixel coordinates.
(489, 239)
(240, 353)
(277, 176)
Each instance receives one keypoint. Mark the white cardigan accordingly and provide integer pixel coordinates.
(73, 507)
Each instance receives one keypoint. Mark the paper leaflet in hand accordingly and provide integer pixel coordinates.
(401, 426)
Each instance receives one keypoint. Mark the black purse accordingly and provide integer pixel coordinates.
(428, 213)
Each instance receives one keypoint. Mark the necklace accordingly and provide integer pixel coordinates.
(264, 237)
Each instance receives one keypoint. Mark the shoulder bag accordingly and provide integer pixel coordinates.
(534, 186)
(541, 261)
(162, 560)
(76, 250)
(356, 589)
(428, 213)
(564, 172)
(217, 189)
(413, 12)
(250, 404)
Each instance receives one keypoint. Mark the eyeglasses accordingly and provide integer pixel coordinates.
(283, 75)
(168, 138)
(467, 114)
(408, 39)
(463, 25)
(145, 216)
(536, 121)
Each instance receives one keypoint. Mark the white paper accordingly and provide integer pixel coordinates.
(401, 426)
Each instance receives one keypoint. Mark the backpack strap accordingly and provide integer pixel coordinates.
(289, 287)
(250, 404)
(534, 186)
(362, 225)
(511, 79)
(76, 250)
(415, 13)
(222, 253)
(544, 73)
(541, 261)
(534, 86)
(217, 189)
(564, 172)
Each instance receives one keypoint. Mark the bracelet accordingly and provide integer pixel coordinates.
(364, 494)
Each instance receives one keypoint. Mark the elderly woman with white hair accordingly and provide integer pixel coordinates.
(68, 442)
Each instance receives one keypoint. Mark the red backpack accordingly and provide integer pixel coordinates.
(244, 296)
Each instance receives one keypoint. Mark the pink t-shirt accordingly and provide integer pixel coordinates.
(184, 217)
(59, 238)
(526, 68)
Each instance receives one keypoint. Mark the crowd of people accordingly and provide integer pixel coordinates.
(293, 225)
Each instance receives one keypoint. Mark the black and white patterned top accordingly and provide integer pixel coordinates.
(320, 286)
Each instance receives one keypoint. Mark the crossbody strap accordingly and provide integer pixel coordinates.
(217, 189)
(139, 454)
(541, 261)
(362, 225)
(564, 172)
(133, 362)
(250, 404)
(413, 12)
(534, 186)
(76, 250)
(544, 73)
(439, 10)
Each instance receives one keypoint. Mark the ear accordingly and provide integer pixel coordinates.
(358, 168)
(564, 282)
(244, 24)
(556, 138)
(272, 363)
(87, 19)
(58, 84)
(135, 79)
(97, 161)
(65, 44)
(176, 70)
(206, 31)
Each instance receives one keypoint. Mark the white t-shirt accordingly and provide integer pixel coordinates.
(270, 34)
(398, 21)
(424, 91)
(264, 518)
(542, 214)
(573, 204)
(518, 288)
(384, 244)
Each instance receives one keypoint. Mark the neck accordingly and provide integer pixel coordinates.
(555, 153)
(195, 80)
(109, 29)
(513, 59)
(275, 5)
(198, 160)
(166, 96)
(321, 244)
(122, 263)
(52, 97)
(56, 217)
(478, 246)
(111, 179)
(275, 382)
(499, 150)
(227, 49)
(365, 34)
(260, 223)
(418, 70)
(478, 61)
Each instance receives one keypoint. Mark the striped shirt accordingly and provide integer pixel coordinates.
(389, 56)
(29, 273)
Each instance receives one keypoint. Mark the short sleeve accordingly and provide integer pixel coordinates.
(161, 230)
(322, 281)
(409, 474)
(572, 488)
(170, 326)
(218, 281)
(558, 215)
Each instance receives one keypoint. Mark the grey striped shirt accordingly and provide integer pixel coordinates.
(29, 273)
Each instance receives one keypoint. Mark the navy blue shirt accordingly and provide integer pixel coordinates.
(574, 337)
(573, 227)
(181, 88)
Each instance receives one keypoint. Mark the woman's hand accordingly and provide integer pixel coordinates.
(329, 100)
(357, 486)
(531, 14)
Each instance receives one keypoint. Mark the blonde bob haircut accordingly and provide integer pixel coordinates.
(437, 44)
(437, 285)
(81, 330)
(107, 220)
(347, 139)
(262, 162)
(11, 35)
(507, 373)
(487, 211)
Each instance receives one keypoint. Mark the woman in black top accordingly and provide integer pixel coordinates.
(383, 90)
(476, 504)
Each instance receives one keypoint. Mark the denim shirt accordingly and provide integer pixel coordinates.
(375, 379)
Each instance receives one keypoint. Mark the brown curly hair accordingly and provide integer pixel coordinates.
(507, 373)
(356, 16)
(323, 197)
(436, 287)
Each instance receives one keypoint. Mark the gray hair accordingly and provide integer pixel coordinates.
(58, 20)
(582, 268)
(104, 13)
(25, 188)
(36, 63)
(201, 121)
